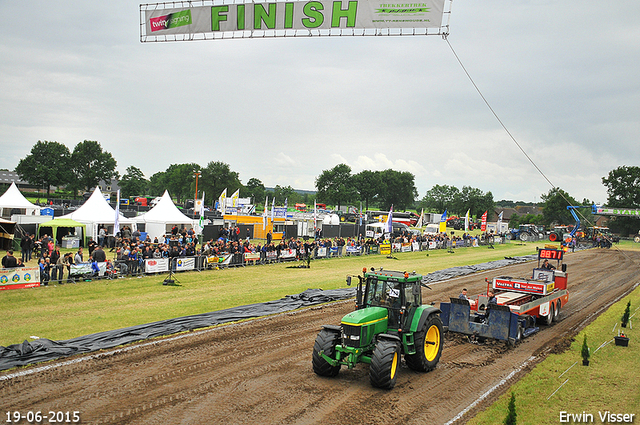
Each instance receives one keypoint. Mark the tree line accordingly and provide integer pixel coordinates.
(53, 164)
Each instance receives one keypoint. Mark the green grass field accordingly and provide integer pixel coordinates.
(609, 383)
(60, 312)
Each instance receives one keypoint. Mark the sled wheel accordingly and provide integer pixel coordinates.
(549, 318)
(556, 312)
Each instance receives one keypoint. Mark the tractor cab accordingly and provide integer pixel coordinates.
(398, 292)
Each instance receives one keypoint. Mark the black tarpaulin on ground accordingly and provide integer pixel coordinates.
(40, 350)
(465, 270)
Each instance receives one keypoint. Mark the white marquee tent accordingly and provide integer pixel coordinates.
(96, 211)
(12, 198)
(159, 220)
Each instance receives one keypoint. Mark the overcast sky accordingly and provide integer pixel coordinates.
(563, 76)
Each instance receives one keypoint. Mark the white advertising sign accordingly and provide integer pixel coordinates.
(156, 265)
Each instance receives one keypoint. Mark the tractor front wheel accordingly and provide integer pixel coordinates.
(385, 363)
(428, 342)
(326, 342)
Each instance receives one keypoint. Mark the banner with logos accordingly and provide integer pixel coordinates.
(21, 277)
(188, 263)
(156, 265)
(198, 20)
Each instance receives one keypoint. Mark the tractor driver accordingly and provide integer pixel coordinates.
(546, 265)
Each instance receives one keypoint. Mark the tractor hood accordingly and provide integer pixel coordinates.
(365, 316)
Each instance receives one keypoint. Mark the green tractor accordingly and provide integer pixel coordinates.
(389, 320)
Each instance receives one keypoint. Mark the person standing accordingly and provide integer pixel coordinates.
(56, 263)
(26, 246)
(102, 233)
(9, 261)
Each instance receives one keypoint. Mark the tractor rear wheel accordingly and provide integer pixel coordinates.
(428, 342)
(326, 342)
(385, 363)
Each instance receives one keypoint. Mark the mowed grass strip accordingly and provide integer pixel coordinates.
(66, 311)
(609, 383)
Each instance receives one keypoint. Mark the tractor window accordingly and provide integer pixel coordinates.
(382, 293)
(412, 300)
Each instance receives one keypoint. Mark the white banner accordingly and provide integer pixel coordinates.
(286, 18)
(21, 277)
(185, 264)
(288, 253)
(322, 252)
(156, 265)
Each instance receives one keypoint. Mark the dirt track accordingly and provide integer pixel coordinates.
(259, 372)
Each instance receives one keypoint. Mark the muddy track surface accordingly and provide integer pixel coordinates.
(260, 371)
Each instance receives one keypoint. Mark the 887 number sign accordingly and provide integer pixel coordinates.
(550, 254)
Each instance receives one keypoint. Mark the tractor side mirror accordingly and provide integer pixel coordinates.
(348, 280)
(564, 267)
(416, 290)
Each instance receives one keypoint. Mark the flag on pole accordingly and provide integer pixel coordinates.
(389, 223)
(234, 198)
(264, 214)
(420, 223)
(285, 205)
(443, 222)
(483, 224)
(466, 221)
(499, 224)
(273, 210)
(222, 199)
(201, 222)
(116, 223)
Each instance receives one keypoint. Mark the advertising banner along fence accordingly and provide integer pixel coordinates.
(210, 20)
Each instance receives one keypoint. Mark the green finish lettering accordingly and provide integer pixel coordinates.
(240, 17)
(349, 13)
(217, 17)
(260, 15)
(288, 15)
(314, 15)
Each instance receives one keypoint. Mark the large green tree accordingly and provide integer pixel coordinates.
(440, 198)
(216, 177)
(623, 191)
(286, 193)
(178, 179)
(133, 183)
(335, 186)
(47, 165)
(90, 164)
(398, 189)
(254, 189)
(554, 207)
(368, 184)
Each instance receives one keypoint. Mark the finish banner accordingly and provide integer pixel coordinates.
(21, 277)
(247, 19)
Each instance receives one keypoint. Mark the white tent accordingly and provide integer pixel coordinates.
(12, 198)
(159, 220)
(96, 211)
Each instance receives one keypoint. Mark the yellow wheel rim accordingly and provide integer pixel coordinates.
(394, 365)
(432, 343)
